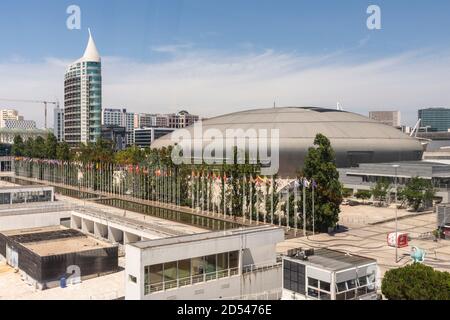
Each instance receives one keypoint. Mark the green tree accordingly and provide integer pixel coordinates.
(99, 152)
(416, 282)
(363, 195)
(380, 190)
(51, 145)
(346, 192)
(130, 156)
(18, 147)
(320, 166)
(418, 193)
(39, 148)
(28, 149)
(63, 152)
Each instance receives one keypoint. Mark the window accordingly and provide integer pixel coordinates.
(132, 279)
(222, 265)
(351, 284)
(197, 269)
(362, 281)
(341, 286)
(210, 265)
(324, 286)
(313, 293)
(234, 262)
(313, 282)
(170, 275)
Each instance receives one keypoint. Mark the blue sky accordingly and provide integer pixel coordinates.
(234, 42)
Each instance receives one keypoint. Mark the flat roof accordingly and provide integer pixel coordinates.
(334, 260)
(25, 188)
(201, 236)
(55, 240)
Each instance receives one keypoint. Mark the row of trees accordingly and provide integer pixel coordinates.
(319, 167)
(418, 193)
(41, 148)
(100, 151)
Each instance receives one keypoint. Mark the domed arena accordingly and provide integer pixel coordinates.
(354, 138)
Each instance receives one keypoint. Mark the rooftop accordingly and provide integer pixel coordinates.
(335, 260)
(201, 237)
(55, 240)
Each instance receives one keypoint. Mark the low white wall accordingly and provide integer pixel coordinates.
(34, 220)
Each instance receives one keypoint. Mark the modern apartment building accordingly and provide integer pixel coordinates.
(83, 98)
(435, 119)
(9, 114)
(182, 119)
(390, 118)
(120, 118)
(58, 123)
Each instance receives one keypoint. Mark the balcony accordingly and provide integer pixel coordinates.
(192, 280)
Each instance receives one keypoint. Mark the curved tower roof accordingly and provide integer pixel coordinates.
(91, 53)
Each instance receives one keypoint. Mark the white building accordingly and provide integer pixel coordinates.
(58, 123)
(390, 118)
(144, 137)
(83, 98)
(234, 264)
(9, 114)
(121, 118)
(325, 274)
(19, 124)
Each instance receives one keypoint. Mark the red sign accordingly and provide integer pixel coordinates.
(397, 239)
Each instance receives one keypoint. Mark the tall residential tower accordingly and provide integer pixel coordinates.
(83, 98)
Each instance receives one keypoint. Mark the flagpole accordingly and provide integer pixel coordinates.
(313, 215)
(304, 208)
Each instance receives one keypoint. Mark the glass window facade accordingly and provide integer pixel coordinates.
(435, 119)
(294, 276)
(190, 271)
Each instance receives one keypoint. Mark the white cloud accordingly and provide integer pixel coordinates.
(211, 83)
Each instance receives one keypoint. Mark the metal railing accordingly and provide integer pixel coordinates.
(261, 267)
(183, 282)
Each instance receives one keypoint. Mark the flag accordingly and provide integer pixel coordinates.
(314, 184)
(306, 183)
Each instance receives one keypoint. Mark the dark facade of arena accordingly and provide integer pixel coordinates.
(355, 138)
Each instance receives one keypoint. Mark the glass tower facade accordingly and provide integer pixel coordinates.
(83, 98)
(435, 119)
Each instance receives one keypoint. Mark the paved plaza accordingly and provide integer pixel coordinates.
(367, 235)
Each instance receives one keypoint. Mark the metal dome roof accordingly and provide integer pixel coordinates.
(355, 138)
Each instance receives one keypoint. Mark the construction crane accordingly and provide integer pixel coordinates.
(46, 103)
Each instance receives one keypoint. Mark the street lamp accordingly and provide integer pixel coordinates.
(396, 166)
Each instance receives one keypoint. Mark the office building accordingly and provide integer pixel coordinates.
(435, 119)
(178, 120)
(121, 118)
(390, 118)
(58, 123)
(83, 98)
(10, 119)
(144, 137)
(182, 119)
(116, 134)
(234, 264)
(19, 124)
(325, 274)
(9, 114)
